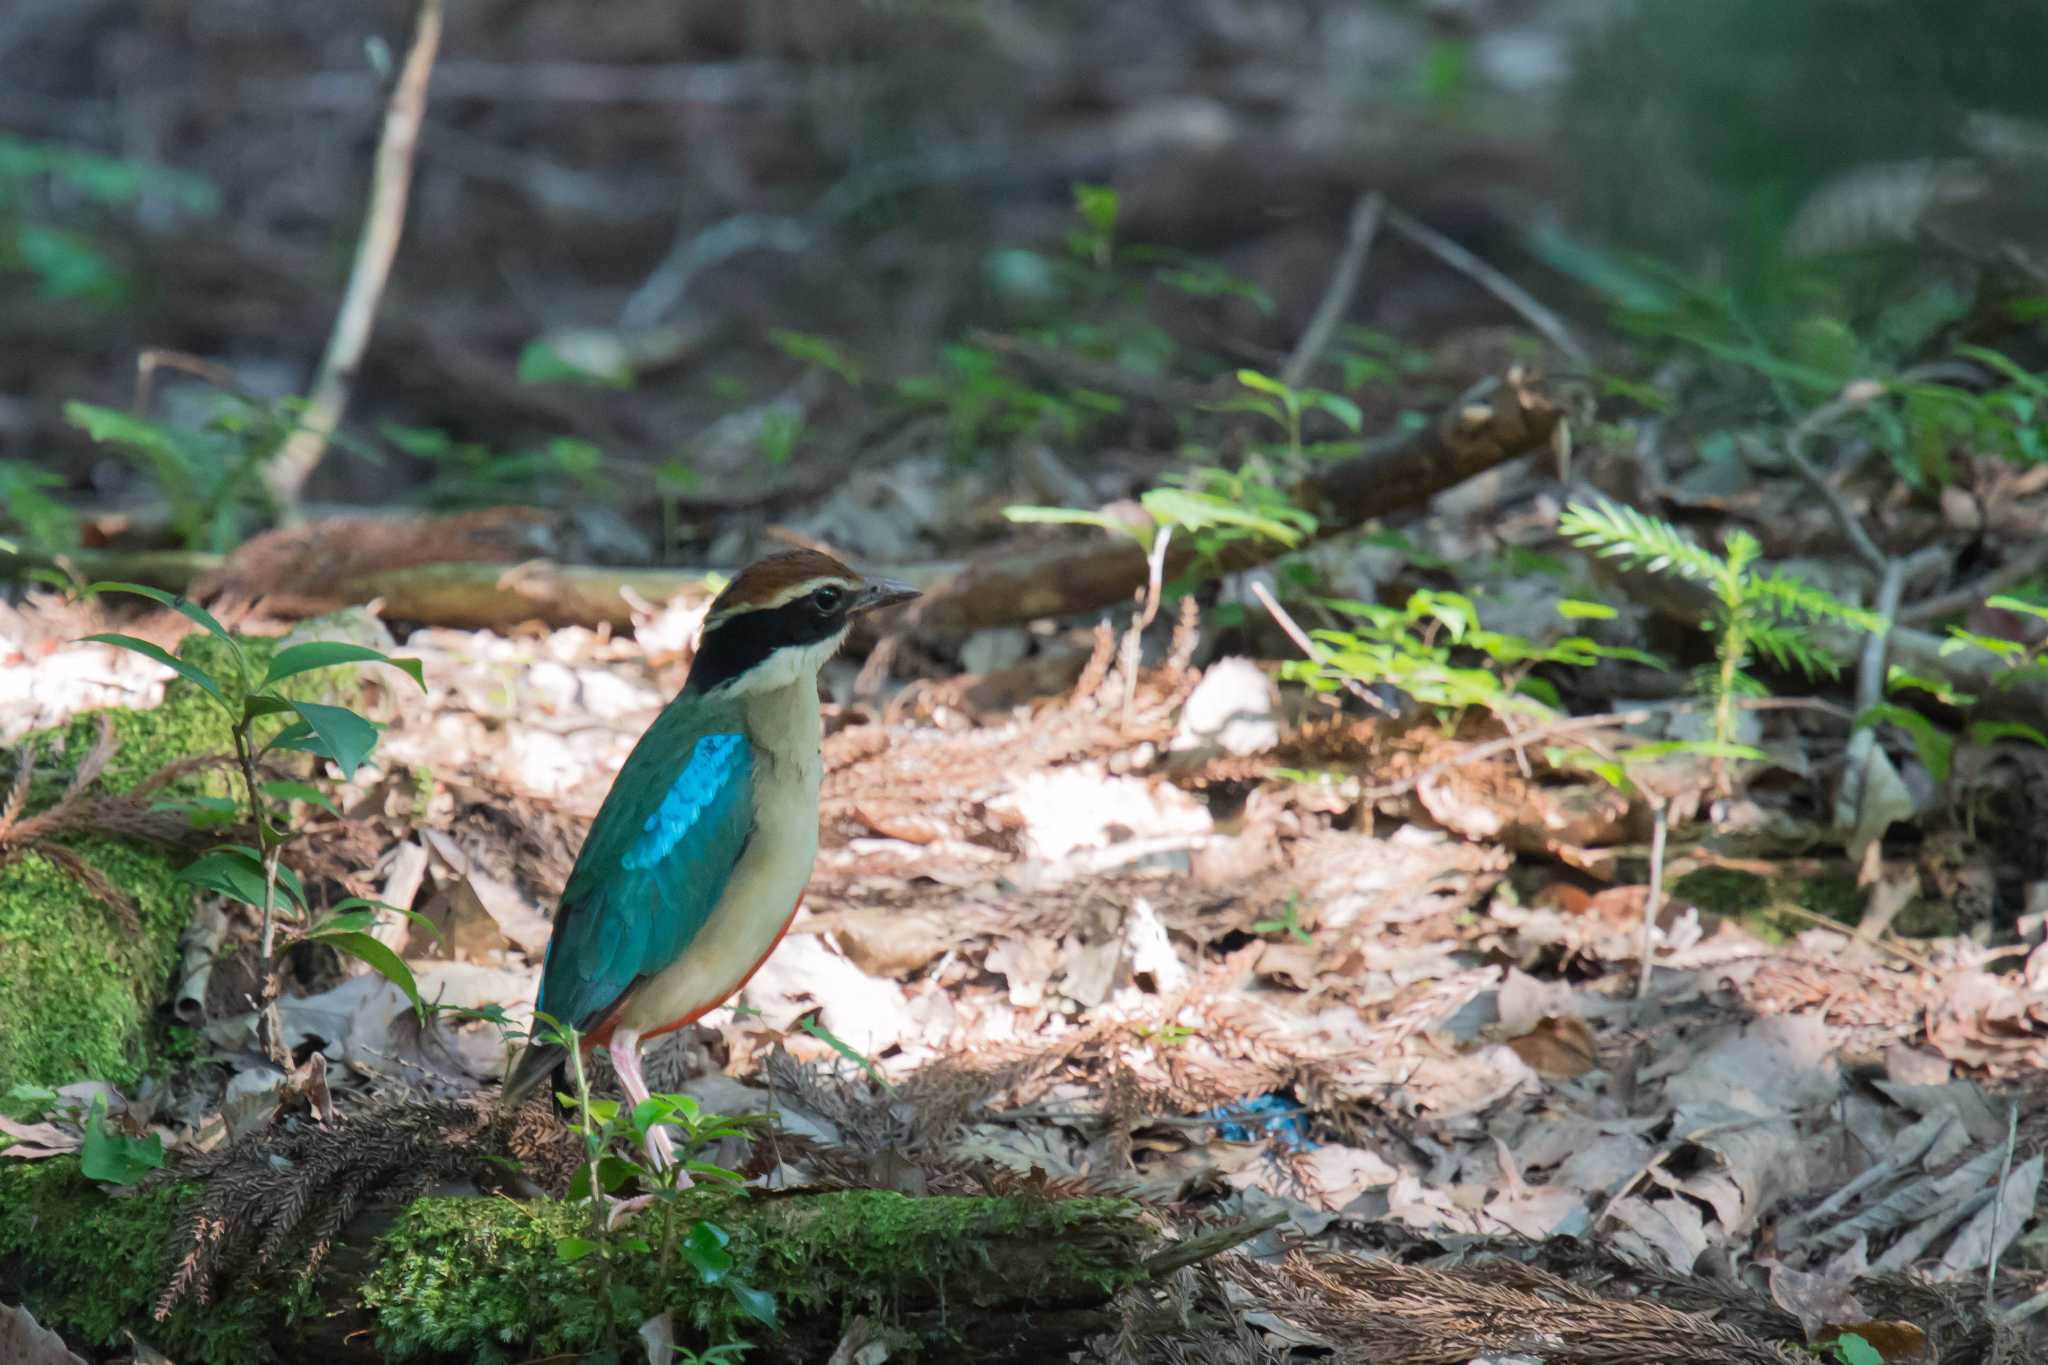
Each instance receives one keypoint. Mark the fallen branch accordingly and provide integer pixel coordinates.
(1070, 576)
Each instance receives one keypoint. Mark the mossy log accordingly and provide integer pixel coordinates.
(480, 1279)
(80, 979)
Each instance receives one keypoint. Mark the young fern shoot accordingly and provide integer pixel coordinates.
(1756, 612)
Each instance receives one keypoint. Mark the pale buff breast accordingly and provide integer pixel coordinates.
(765, 886)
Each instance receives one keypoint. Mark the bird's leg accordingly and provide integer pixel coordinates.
(625, 1050)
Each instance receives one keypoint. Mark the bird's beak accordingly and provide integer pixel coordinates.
(882, 592)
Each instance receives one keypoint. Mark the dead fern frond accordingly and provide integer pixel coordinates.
(292, 1191)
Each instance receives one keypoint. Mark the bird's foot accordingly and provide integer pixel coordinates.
(661, 1150)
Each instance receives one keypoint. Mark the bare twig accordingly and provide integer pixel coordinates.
(1308, 646)
(1148, 611)
(1855, 397)
(287, 473)
(1365, 223)
(2027, 563)
(1660, 815)
(1492, 281)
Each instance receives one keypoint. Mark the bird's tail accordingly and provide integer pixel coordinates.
(533, 1067)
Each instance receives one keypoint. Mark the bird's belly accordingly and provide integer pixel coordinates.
(757, 906)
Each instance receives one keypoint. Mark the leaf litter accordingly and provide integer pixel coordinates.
(1094, 944)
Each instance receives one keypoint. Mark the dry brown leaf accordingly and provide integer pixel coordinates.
(1557, 1049)
(1898, 1342)
(34, 1141)
(1816, 1300)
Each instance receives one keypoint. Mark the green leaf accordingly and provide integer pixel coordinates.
(382, 960)
(190, 610)
(1098, 205)
(844, 1049)
(1072, 516)
(704, 1249)
(1991, 731)
(1935, 748)
(1851, 1349)
(115, 1158)
(190, 672)
(337, 733)
(296, 659)
(300, 791)
(757, 1304)
(1573, 609)
(24, 1101)
(569, 1250)
(359, 903)
(1341, 408)
(2005, 602)
(237, 872)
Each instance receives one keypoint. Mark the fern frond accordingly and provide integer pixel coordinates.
(1788, 647)
(1617, 532)
(1789, 596)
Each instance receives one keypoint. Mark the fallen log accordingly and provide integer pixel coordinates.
(1064, 577)
(472, 1278)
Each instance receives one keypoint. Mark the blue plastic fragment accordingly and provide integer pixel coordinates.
(1275, 1115)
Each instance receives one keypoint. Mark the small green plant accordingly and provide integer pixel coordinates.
(211, 477)
(55, 199)
(1094, 240)
(1284, 405)
(25, 502)
(1289, 921)
(257, 711)
(1850, 1349)
(1217, 509)
(470, 474)
(1435, 648)
(615, 1144)
(1756, 613)
(781, 430)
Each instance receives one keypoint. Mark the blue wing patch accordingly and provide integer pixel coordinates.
(651, 872)
(703, 783)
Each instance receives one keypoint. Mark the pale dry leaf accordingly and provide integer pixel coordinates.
(34, 1141)
(867, 1014)
(2004, 1218)
(1672, 1232)
(1816, 1300)
(1025, 962)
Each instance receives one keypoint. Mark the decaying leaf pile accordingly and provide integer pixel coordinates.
(1091, 942)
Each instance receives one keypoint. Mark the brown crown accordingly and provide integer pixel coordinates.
(773, 577)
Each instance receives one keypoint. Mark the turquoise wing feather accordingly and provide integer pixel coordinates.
(655, 864)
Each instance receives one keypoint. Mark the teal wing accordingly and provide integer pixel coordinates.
(654, 866)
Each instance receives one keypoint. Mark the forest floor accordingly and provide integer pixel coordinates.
(1161, 932)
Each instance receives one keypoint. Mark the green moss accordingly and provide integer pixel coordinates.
(88, 1264)
(77, 985)
(1759, 903)
(818, 1254)
(476, 1279)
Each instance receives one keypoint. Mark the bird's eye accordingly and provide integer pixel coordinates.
(829, 597)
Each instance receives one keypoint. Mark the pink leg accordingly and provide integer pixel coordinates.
(625, 1050)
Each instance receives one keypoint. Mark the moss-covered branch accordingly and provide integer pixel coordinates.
(479, 1279)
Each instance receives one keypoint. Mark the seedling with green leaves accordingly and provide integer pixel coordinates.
(1283, 405)
(264, 722)
(1756, 613)
(615, 1146)
(1435, 648)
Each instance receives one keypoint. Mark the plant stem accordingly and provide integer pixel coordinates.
(269, 1025)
